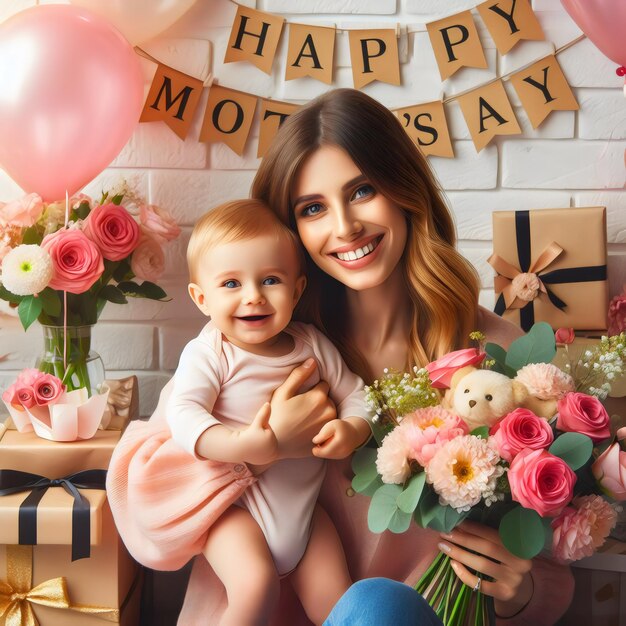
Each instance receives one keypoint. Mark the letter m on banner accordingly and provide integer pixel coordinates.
(173, 98)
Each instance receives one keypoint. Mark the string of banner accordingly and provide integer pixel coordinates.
(541, 86)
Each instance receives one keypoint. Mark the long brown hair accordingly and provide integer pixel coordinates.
(442, 285)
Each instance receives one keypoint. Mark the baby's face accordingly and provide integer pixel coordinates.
(249, 288)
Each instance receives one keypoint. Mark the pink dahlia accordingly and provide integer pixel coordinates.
(392, 460)
(545, 381)
(463, 471)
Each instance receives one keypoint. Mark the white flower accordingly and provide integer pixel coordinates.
(26, 270)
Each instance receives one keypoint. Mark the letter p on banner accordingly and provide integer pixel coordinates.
(374, 56)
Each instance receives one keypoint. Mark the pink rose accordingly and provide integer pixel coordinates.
(29, 376)
(148, 260)
(564, 335)
(10, 397)
(609, 469)
(541, 481)
(77, 260)
(442, 370)
(580, 413)
(617, 315)
(23, 212)
(47, 389)
(521, 429)
(526, 286)
(113, 229)
(26, 396)
(158, 223)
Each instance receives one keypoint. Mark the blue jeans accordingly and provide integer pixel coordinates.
(382, 602)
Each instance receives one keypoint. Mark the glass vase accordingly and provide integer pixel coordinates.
(68, 355)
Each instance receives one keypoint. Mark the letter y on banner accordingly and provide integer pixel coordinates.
(173, 98)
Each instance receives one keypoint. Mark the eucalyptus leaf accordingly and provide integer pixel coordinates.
(498, 354)
(29, 310)
(523, 533)
(400, 522)
(574, 448)
(446, 518)
(410, 496)
(383, 508)
(536, 346)
(51, 302)
(366, 479)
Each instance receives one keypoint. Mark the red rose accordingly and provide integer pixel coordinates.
(564, 335)
(442, 370)
(580, 413)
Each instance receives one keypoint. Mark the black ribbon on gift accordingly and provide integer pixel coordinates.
(582, 274)
(14, 481)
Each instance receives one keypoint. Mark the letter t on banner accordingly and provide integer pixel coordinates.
(228, 117)
(310, 52)
(254, 38)
(374, 56)
(456, 43)
(510, 21)
(273, 114)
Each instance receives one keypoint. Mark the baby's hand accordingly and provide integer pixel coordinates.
(258, 442)
(337, 439)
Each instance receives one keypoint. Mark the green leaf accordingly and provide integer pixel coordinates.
(498, 354)
(29, 310)
(122, 271)
(51, 302)
(117, 199)
(522, 532)
(481, 431)
(446, 518)
(366, 479)
(383, 508)
(32, 235)
(427, 508)
(410, 497)
(536, 346)
(81, 211)
(400, 522)
(574, 448)
(9, 296)
(128, 288)
(112, 294)
(152, 291)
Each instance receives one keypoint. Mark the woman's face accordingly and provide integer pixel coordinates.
(352, 232)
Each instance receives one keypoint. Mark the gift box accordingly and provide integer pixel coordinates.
(551, 267)
(105, 587)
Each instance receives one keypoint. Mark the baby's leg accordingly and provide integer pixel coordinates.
(237, 551)
(322, 576)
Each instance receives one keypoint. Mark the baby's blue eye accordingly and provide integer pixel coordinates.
(311, 209)
(363, 191)
(231, 284)
(271, 280)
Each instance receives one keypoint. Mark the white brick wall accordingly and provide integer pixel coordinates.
(573, 159)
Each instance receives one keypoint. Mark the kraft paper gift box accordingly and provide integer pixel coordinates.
(551, 267)
(103, 588)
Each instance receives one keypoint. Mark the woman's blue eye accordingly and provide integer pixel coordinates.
(271, 280)
(231, 284)
(363, 191)
(311, 209)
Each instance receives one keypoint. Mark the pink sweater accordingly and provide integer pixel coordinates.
(148, 469)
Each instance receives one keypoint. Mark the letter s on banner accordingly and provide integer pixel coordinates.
(427, 127)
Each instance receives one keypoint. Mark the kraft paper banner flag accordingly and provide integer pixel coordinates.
(510, 21)
(273, 114)
(310, 52)
(488, 112)
(374, 56)
(427, 126)
(254, 38)
(173, 98)
(543, 88)
(228, 117)
(456, 43)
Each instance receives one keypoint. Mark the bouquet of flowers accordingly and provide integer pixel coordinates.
(513, 445)
(61, 262)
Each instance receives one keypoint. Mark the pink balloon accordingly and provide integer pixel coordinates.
(604, 22)
(70, 97)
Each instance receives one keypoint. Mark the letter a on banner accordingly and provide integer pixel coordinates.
(173, 98)
(254, 38)
(310, 52)
(374, 56)
(426, 125)
(228, 118)
(273, 114)
(510, 21)
(488, 112)
(456, 43)
(543, 88)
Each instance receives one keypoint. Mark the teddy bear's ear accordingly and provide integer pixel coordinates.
(459, 374)
(520, 391)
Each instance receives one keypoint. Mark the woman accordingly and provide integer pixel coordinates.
(386, 284)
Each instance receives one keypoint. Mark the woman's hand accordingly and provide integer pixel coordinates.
(512, 585)
(297, 417)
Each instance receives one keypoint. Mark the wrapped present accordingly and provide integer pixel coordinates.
(43, 583)
(551, 267)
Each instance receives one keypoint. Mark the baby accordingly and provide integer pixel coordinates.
(246, 273)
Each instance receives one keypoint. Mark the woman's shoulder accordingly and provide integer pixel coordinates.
(497, 329)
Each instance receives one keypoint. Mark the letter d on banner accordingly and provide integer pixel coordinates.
(228, 118)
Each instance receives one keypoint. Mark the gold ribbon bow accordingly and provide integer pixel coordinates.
(519, 288)
(17, 597)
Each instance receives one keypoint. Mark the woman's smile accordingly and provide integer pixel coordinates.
(358, 256)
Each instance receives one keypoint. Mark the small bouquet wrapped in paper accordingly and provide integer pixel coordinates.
(40, 402)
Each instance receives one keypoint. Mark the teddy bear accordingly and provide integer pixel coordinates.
(481, 397)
